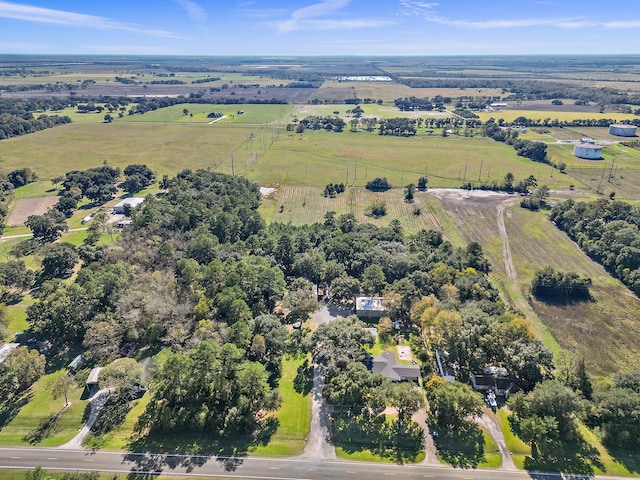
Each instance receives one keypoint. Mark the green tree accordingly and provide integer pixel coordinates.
(61, 387)
(355, 386)
(48, 226)
(406, 398)
(121, 376)
(339, 342)
(26, 365)
(373, 280)
(344, 288)
(548, 412)
(422, 183)
(409, 190)
(451, 403)
(59, 260)
(300, 301)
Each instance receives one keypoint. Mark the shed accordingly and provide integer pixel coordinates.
(129, 202)
(370, 307)
(6, 350)
(92, 379)
(76, 364)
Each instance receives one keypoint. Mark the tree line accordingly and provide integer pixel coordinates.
(607, 231)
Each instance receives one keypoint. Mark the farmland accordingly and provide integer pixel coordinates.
(258, 145)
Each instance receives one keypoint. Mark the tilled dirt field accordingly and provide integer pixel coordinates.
(29, 206)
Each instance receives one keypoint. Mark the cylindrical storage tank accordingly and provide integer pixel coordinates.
(589, 151)
(622, 130)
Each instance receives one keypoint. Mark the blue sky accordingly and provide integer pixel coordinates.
(320, 27)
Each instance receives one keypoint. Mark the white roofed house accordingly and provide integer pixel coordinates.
(370, 307)
(129, 203)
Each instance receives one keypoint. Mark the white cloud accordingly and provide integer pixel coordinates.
(312, 18)
(196, 12)
(30, 13)
(623, 24)
(411, 7)
(427, 11)
(527, 22)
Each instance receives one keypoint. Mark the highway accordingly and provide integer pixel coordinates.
(197, 466)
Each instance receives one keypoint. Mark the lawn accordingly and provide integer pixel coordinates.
(43, 421)
(294, 416)
(518, 449)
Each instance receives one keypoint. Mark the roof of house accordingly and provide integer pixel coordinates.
(372, 304)
(386, 366)
(130, 201)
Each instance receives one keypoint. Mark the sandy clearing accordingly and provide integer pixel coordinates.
(29, 206)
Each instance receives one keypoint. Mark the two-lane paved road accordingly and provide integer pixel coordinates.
(244, 468)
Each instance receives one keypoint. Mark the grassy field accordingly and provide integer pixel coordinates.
(587, 329)
(43, 421)
(317, 158)
(370, 110)
(300, 205)
(294, 416)
(510, 115)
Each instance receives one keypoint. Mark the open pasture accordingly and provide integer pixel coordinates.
(253, 114)
(588, 329)
(303, 205)
(166, 148)
(317, 158)
(625, 182)
(510, 114)
(370, 110)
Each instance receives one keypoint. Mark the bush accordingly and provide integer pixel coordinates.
(378, 185)
(551, 284)
(378, 208)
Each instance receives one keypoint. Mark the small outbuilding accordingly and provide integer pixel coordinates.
(589, 151)
(129, 203)
(371, 307)
(93, 378)
(76, 364)
(622, 130)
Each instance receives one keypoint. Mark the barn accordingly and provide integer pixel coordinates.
(622, 130)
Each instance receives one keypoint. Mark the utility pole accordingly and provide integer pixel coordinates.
(464, 178)
(233, 170)
(613, 162)
(480, 174)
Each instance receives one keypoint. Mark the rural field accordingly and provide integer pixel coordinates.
(256, 144)
(534, 243)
